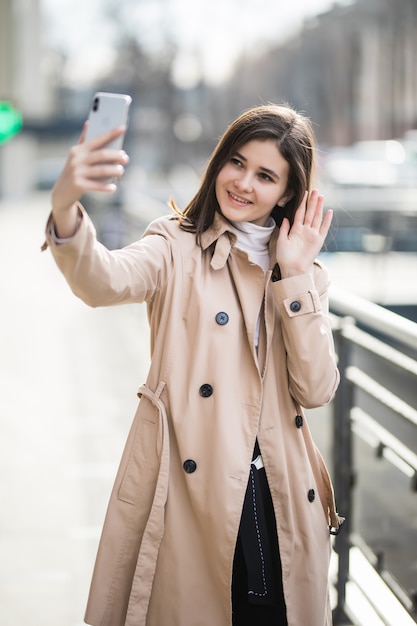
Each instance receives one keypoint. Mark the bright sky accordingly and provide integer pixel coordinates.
(210, 33)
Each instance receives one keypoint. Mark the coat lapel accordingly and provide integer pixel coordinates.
(249, 281)
(246, 274)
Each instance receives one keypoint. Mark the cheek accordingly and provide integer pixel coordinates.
(272, 198)
(221, 177)
(221, 181)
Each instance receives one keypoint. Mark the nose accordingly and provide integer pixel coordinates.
(243, 182)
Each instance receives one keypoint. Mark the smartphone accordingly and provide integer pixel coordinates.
(108, 111)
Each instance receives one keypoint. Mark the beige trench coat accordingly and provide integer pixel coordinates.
(166, 551)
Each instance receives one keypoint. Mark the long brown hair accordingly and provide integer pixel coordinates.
(294, 138)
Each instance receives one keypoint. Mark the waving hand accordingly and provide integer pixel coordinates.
(298, 246)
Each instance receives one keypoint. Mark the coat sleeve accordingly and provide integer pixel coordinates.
(102, 277)
(307, 335)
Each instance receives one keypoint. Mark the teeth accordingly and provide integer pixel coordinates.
(238, 199)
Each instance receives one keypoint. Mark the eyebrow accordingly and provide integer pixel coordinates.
(264, 169)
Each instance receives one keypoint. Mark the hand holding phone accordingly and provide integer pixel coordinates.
(93, 164)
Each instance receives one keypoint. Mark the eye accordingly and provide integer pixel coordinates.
(266, 177)
(236, 162)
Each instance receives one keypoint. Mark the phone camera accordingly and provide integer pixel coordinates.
(95, 104)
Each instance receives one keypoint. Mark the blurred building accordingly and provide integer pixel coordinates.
(352, 69)
(23, 75)
(23, 83)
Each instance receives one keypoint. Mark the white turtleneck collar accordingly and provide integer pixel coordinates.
(254, 240)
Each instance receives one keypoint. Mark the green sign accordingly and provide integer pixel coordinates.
(10, 121)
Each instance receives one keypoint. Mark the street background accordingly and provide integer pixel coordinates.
(69, 374)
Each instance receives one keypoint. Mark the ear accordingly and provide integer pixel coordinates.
(283, 201)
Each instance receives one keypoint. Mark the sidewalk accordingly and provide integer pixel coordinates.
(61, 436)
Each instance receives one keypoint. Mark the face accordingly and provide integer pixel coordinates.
(252, 182)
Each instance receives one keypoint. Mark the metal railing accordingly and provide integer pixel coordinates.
(377, 352)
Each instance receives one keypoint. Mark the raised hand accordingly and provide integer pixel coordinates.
(298, 246)
(88, 165)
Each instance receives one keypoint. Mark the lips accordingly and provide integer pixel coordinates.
(238, 199)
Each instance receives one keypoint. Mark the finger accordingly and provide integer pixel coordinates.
(317, 217)
(106, 155)
(311, 207)
(97, 185)
(96, 179)
(102, 187)
(324, 229)
(301, 210)
(88, 178)
(105, 171)
(102, 140)
(83, 133)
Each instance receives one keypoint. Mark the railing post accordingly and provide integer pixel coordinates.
(343, 467)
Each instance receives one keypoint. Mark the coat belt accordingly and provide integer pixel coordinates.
(154, 529)
(336, 521)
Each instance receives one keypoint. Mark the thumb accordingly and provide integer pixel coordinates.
(83, 133)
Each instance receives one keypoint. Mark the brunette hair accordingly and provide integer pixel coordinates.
(294, 138)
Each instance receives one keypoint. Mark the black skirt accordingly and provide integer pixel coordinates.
(257, 594)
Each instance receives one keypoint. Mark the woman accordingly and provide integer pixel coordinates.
(221, 507)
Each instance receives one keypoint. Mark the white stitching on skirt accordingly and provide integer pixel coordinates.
(261, 554)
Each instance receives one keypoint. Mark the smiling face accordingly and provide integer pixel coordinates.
(252, 182)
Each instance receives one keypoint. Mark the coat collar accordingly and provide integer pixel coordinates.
(222, 235)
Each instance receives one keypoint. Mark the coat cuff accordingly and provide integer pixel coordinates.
(297, 295)
(51, 236)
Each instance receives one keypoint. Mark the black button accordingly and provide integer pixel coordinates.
(206, 390)
(222, 318)
(295, 306)
(299, 421)
(311, 495)
(189, 466)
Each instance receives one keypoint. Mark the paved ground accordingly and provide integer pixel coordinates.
(64, 414)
